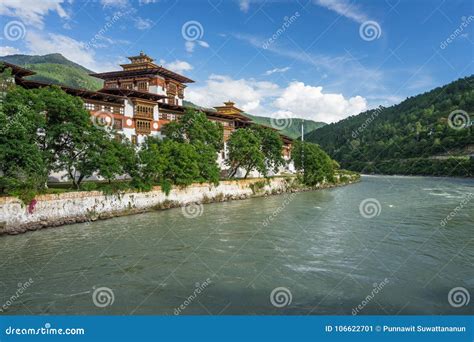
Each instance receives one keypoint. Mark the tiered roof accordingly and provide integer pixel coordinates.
(142, 65)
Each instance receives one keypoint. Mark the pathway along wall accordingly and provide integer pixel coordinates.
(74, 207)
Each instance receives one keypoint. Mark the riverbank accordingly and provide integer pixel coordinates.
(86, 206)
(462, 166)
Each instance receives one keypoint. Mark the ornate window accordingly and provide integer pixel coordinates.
(144, 111)
(143, 127)
(142, 86)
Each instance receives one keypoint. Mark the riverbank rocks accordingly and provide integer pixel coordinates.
(79, 207)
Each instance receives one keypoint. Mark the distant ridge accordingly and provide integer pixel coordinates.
(55, 68)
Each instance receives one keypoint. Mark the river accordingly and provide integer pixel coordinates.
(376, 247)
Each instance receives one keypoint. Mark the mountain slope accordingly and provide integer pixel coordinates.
(55, 68)
(413, 137)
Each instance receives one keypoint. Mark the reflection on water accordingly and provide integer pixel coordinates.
(317, 245)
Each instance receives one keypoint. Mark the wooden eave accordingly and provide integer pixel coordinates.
(145, 72)
(133, 94)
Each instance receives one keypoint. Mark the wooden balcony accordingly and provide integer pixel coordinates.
(143, 127)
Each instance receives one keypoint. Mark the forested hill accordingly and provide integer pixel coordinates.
(417, 136)
(55, 68)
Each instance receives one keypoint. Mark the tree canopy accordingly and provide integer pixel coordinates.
(314, 164)
(256, 148)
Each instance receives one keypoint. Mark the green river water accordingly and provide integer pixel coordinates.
(325, 253)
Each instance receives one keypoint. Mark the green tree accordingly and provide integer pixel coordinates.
(166, 163)
(23, 164)
(151, 164)
(315, 165)
(118, 158)
(245, 152)
(73, 143)
(271, 146)
(204, 135)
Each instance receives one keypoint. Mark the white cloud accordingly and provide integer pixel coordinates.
(8, 50)
(32, 12)
(143, 24)
(114, 3)
(310, 102)
(76, 51)
(344, 8)
(276, 70)
(247, 94)
(177, 66)
(190, 45)
(268, 99)
(244, 5)
(146, 2)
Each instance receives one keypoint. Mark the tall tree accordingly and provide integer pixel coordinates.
(23, 164)
(271, 146)
(245, 152)
(315, 165)
(204, 135)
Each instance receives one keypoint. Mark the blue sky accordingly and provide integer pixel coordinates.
(317, 59)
